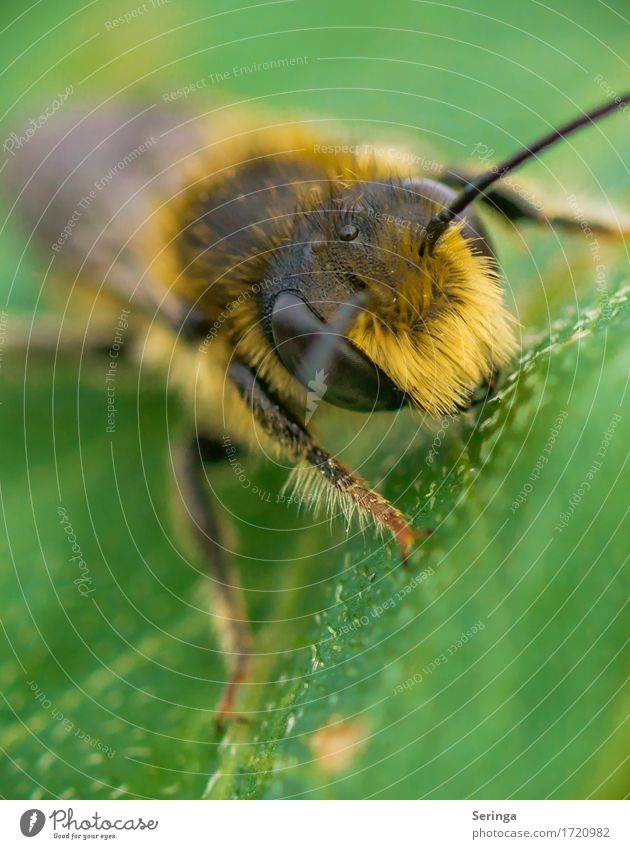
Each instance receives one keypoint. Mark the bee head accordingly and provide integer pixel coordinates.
(396, 287)
(354, 293)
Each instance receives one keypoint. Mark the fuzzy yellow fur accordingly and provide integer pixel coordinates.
(446, 328)
(443, 332)
(437, 327)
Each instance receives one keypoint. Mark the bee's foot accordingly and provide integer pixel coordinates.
(406, 539)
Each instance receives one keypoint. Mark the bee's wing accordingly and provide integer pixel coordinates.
(83, 185)
(518, 201)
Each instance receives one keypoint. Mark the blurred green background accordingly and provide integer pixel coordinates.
(363, 683)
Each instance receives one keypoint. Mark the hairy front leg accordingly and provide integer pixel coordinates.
(285, 429)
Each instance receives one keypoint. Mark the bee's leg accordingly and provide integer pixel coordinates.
(501, 198)
(485, 391)
(45, 338)
(231, 618)
(511, 204)
(284, 428)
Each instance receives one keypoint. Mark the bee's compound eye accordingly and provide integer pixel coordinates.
(352, 380)
(348, 233)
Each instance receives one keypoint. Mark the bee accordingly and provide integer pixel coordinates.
(257, 264)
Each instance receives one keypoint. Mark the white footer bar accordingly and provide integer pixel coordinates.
(316, 824)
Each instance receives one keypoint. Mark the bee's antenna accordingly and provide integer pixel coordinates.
(441, 220)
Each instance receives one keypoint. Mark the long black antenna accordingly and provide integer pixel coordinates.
(441, 220)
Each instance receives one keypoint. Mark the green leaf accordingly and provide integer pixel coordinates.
(496, 665)
(493, 666)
